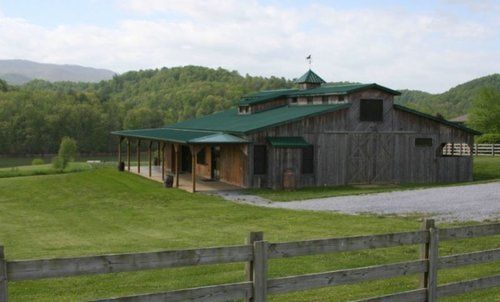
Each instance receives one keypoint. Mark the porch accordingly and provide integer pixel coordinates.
(185, 180)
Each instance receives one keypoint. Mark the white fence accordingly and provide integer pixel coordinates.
(487, 149)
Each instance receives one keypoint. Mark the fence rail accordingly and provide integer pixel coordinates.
(486, 149)
(256, 254)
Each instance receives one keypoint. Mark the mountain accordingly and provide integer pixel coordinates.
(452, 103)
(18, 72)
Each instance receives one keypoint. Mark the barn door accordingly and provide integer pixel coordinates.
(370, 158)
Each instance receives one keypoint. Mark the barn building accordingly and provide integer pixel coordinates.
(312, 135)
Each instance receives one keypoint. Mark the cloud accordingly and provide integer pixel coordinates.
(394, 47)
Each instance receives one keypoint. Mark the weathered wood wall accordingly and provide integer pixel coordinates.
(348, 151)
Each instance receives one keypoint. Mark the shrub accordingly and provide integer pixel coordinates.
(57, 163)
(37, 162)
(67, 151)
(489, 138)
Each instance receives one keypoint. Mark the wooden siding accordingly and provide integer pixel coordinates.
(232, 164)
(348, 151)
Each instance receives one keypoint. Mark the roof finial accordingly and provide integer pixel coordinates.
(309, 59)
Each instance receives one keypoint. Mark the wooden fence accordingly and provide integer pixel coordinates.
(256, 254)
(486, 149)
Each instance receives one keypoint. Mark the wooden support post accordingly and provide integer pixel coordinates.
(149, 157)
(249, 266)
(176, 157)
(260, 271)
(128, 154)
(162, 160)
(139, 156)
(194, 154)
(3, 276)
(429, 252)
(120, 139)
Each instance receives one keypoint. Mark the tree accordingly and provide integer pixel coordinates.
(66, 154)
(485, 113)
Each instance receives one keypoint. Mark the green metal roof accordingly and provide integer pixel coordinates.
(341, 89)
(310, 77)
(436, 119)
(218, 138)
(288, 142)
(229, 121)
(165, 134)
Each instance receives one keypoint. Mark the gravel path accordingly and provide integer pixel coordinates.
(457, 203)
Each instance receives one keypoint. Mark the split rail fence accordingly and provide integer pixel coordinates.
(256, 253)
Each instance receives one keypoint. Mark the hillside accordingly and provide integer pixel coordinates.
(454, 102)
(17, 72)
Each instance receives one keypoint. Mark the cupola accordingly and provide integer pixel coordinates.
(309, 80)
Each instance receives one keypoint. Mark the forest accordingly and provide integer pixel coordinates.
(34, 117)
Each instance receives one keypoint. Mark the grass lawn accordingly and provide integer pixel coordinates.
(104, 211)
(486, 168)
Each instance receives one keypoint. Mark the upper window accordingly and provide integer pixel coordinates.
(325, 99)
(201, 157)
(371, 110)
(309, 100)
(259, 159)
(423, 142)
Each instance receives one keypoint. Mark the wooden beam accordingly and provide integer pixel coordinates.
(194, 154)
(158, 153)
(162, 160)
(149, 157)
(176, 157)
(139, 156)
(128, 154)
(249, 266)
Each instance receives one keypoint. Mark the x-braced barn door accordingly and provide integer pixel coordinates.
(370, 158)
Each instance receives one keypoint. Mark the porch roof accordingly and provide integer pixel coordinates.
(182, 136)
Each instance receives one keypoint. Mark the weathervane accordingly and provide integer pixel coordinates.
(309, 59)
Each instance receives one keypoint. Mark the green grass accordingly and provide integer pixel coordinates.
(486, 168)
(105, 211)
(45, 169)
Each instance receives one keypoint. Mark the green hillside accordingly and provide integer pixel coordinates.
(454, 102)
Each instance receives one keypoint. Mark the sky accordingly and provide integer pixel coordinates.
(425, 45)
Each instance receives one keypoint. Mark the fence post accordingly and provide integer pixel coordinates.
(475, 149)
(260, 271)
(429, 252)
(249, 266)
(3, 276)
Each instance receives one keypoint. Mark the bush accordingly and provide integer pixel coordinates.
(67, 151)
(489, 138)
(57, 163)
(37, 162)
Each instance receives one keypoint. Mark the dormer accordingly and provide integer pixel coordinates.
(309, 80)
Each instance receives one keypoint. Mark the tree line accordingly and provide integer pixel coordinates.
(35, 117)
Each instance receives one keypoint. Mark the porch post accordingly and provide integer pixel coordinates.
(139, 156)
(194, 154)
(176, 151)
(120, 139)
(162, 160)
(149, 156)
(158, 152)
(128, 154)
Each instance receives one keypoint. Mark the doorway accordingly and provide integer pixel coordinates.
(215, 162)
(186, 160)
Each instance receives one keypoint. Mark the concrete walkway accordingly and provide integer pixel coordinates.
(456, 203)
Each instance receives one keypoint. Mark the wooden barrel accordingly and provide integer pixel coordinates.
(288, 180)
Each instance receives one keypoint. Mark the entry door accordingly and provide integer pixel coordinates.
(215, 164)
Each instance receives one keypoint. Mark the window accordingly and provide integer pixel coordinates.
(309, 100)
(201, 157)
(244, 109)
(259, 159)
(371, 110)
(308, 160)
(341, 98)
(423, 142)
(324, 99)
(293, 100)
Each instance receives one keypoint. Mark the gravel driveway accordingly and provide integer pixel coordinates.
(457, 203)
